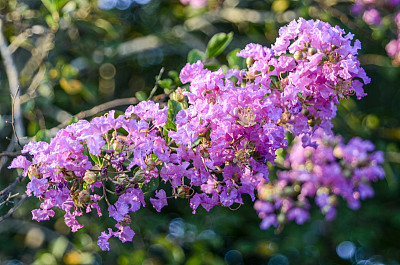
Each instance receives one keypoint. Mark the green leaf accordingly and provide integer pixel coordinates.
(218, 43)
(212, 67)
(42, 135)
(195, 55)
(73, 120)
(173, 74)
(165, 83)
(173, 108)
(154, 157)
(151, 186)
(51, 5)
(170, 125)
(196, 143)
(95, 159)
(141, 96)
(235, 61)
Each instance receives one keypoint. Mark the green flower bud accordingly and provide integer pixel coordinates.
(204, 152)
(305, 112)
(312, 51)
(90, 177)
(298, 55)
(150, 164)
(178, 95)
(33, 172)
(118, 145)
(69, 175)
(312, 123)
(183, 191)
(250, 60)
(122, 179)
(84, 196)
(281, 218)
(139, 176)
(288, 191)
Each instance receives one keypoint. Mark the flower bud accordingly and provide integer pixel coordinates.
(312, 51)
(281, 218)
(312, 123)
(305, 112)
(178, 95)
(90, 177)
(118, 145)
(122, 179)
(235, 176)
(183, 191)
(33, 172)
(204, 152)
(288, 191)
(84, 196)
(250, 60)
(332, 200)
(69, 175)
(150, 164)
(338, 152)
(347, 173)
(298, 55)
(127, 220)
(139, 176)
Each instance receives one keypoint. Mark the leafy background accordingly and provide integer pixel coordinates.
(73, 55)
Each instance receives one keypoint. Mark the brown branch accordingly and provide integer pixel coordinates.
(5, 191)
(9, 197)
(11, 154)
(156, 84)
(95, 110)
(12, 76)
(13, 209)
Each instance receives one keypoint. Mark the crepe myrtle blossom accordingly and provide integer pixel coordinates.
(372, 11)
(333, 170)
(215, 150)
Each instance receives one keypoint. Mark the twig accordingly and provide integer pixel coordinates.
(156, 84)
(9, 197)
(13, 209)
(93, 111)
(12, 76)
(11, 154)
(5, 191)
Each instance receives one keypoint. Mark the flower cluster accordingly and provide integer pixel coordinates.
(334, 170)
(88, 158)
(393, 47)
(309, 69)
(211, 152)
(369, 9)
(372, 11)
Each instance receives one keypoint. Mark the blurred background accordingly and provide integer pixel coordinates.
(73, 55)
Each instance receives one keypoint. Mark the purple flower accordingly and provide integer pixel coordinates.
(37, 187)
(298, 214)
(372, 17)
(21, 162)
(42, 215)
(161, 201)
(124, 233)
(70, 220)
(103, 240)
